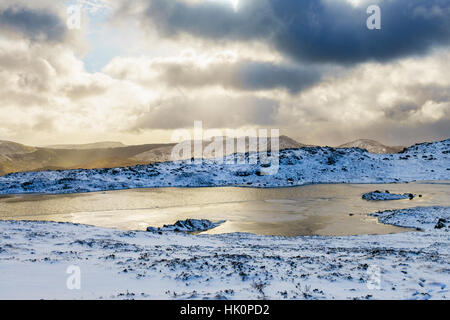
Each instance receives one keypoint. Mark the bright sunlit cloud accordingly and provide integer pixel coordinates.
(233, 3)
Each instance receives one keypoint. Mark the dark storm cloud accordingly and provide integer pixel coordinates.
(262, 76)
(244, 75)
(335, 31)
(211, 19)
(320, 31)
(33, 23)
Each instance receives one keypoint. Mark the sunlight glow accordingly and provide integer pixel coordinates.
(234, 3)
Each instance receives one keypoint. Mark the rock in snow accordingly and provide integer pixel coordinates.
(441, 224)
(189, 225)
(384, 196)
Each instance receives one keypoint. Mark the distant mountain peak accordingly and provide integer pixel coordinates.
(372, 146)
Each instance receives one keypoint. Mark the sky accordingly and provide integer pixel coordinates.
(135, 71)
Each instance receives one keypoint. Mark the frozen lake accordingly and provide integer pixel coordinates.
(322, 209)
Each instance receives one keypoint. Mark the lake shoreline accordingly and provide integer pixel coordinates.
(319, 209)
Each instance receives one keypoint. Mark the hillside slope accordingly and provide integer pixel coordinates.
(164, 154)
(429, 161)
(8, 148)
(372, 146)
(23, 158)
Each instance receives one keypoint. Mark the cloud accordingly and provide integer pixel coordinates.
(402, 110)
(199, 71)
(264, 76)
(399, 103)
(215, 111)
(236, 79)
(34, 24)
(317, 31)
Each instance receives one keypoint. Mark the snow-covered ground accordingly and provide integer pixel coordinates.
(424, 219)
(34, 258)
(428, 161)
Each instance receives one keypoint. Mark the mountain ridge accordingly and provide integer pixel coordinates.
(16, 157)
(84, 146)
(295, 167)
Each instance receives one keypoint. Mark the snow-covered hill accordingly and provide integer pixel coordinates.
(15, 157)
(429, 161)
(372, 146)
(164, 154)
